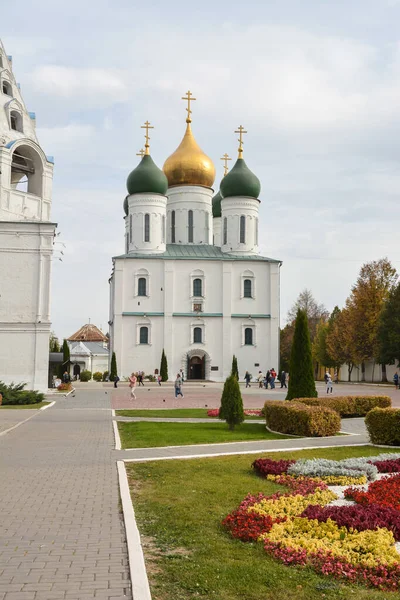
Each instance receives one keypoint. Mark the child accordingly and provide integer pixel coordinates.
(132, 385)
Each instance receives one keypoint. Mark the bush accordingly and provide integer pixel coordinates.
(231, 409)
(164, 367)
(349, 406)
(296, 418)
(86, 375)
(151, 378)
(301, 381)
(383, 426)
(105, 375)
(15, 394)
(97, 376)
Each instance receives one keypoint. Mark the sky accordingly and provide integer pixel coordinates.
(315, 83)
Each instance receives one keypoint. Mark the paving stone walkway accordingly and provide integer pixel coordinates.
(61, 530)
(9, 417)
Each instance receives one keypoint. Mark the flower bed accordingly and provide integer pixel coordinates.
(354, 542)
(214, 412)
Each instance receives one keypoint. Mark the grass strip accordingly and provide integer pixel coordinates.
(179, 506)
(177, 413)
(23, 406)
(145, 434)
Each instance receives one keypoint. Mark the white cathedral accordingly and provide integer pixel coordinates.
(26, 239)
(192, 281)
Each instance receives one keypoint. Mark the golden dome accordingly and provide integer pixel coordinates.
(188, 165)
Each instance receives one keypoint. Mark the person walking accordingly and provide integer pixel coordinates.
(159, 379)
(273, 377)
(260, 379)
(181, 375)
(132, 385)
(178, 386)
(329, 384)
(283, 380)
(326, 377)
(116, 379)
(396, 380)
(267, 379)
(247, 379)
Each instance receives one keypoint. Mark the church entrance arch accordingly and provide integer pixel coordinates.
(197, 364)
(77, 371)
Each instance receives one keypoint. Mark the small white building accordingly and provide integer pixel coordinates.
(26, 239)
(88, 350)
(191, 280)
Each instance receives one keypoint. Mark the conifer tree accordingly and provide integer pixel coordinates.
(235, 370)
(389, 329)
(164, 367)
(231, 409)
(113, 369)
(66, 357)
(301, 376)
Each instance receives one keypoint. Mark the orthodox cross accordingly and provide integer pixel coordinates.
(140, 153)
(225, 158)
(240, 131)
(189, 99)
(147, 126)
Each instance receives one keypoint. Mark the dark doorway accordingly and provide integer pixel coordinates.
(197, 368)
(77, 371)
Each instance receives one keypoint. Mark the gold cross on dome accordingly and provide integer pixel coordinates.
(240, 131)
(140, 153)
(189, 99)
(225, 158)
(147, 126)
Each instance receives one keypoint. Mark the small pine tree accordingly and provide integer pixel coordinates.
(113, 370)
(65, 366)
(301, 380)
(235, 370)
(231, 409)
(164, 367)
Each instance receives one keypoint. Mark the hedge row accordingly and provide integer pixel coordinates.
(349, 406)
(383, 426)
(296, 418)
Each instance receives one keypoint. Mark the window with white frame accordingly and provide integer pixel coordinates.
(16, 121)
(147, 228)
(130, 228)
(225, 231)
(247, 284)
(249, 332)
(6, 88)
(197, 332)
(197, 284)
(242, 229)
(143, 332)
(142, 283)
(197, 335)
(197, 287)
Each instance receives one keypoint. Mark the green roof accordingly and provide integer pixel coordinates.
(147, 177)
(240, 181)
(195, 251)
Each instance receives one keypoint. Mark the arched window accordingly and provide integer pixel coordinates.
(197, 288)
(190, 226)
(225, 231)
(144, 335)
(127, 243)
(142, 286)
(16, 121)
(248, 336)
(146, 228)
(130, 228)
(163, 230)
(6, 88)
(242, 229)
(256, 231)
(173, 227)
(197, 335)
(247, 288)
(27, 170)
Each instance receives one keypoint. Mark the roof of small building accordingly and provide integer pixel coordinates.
(196, 251)
(88, 333)
(88, 348)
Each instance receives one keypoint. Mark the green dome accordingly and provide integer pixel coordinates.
(240, 181)
(216, 205)
(147, 177)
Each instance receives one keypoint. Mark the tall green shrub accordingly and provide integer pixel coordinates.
(164, 367)
(231, 409)
(301, 375)
(114, 370)
(65, 366)
(235, 370)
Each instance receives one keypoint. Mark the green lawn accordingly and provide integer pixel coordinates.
(144, 434)
(24, 406)
(179, 506)
(178, 413)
